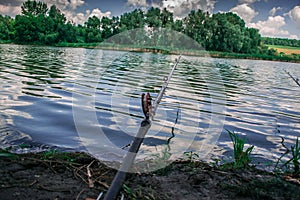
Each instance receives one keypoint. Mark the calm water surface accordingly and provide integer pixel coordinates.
(84, 99)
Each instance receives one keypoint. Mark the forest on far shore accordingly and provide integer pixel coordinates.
(225, 32)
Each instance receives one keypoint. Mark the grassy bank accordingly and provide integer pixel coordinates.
(61, 175)
(286, 49)
(202, 53)
(293, 56)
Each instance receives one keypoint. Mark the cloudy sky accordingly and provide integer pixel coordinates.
(273, 18)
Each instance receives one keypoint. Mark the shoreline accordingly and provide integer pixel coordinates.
(198, 53)
(164, 50)
(62, 175)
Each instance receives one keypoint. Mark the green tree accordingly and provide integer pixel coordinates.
(167, 18)
(26, 29)
(255, 40)
(178, 26)
(106, 27)
(194, 26)
(153, 17)
(67, 33)
(30, 26)
(132, 20)
(34, 8)
(56, 18)
(6, 28)
(93, 33)
(93, 23)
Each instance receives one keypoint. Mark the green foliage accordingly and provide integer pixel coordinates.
(223, 32)
(132, 20)
(6, 28)
(93, 33)
(191, 156)
(294, 152)
(138, 193)
(4, 153)
(153, 17)
(55, 154)
(34, 8)
(281, 41)
(241, 157)
(295, 156)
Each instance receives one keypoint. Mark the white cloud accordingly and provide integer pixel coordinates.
(273, 11)
(245, 12)
(98, 13)
(295, 15)
(80, 18)
(137, 3)
(65, 4)
(272, 27)
(184, 7)
(247, 1)
(75, 3)
(294, 37)
(10, 10)
(180, 8)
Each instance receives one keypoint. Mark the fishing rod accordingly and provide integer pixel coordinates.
(149, 112)
(295, 79)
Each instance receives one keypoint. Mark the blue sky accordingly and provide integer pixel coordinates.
(273, 18)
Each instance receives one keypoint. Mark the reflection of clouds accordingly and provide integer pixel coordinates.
(13, 112)
(10, 94)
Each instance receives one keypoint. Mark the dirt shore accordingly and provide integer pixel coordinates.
(66, 176)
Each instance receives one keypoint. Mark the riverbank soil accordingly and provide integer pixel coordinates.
(79, 176)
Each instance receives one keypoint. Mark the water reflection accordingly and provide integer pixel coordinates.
(40, 86)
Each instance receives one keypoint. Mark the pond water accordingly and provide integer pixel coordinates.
(89, 100)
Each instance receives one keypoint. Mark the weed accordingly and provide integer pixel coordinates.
(162, 161)
(55, 154)
(241, 157)
(129, 192)
(4, 153)
(191, 156)
(24, 145)
(295, 157)
(139, 193)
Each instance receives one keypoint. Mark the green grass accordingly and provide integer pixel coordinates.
(295, 157)
(283, 47)
(7, 154)
(292, 56)
(241, 157)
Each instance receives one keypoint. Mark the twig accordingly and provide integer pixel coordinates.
(91, 183)
(173, 128)
(77, 198)
(103, 184)
(53, 161)
(34, 182)
(78, 175)
(286, 152)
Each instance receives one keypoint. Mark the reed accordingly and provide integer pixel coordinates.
(295, 157)
(241, 157)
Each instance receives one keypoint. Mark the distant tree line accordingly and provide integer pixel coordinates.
(281, 41)
(38, 24)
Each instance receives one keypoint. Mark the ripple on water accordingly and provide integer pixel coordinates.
(41, 86)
